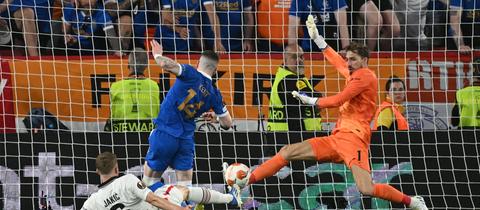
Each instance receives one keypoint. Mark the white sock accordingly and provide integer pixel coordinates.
(207, 196)
(150, 180)
(414, 201)
(185, 183)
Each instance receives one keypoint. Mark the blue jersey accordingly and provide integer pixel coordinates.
(322, 10)
(192, 94)
(230, 14)
(185, 10)
(99, 20)
(470, 10)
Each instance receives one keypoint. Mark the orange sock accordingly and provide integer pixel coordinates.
(268, 168)
(387, 192)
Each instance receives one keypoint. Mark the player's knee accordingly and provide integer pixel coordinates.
(184, 190)
(287, 152)
(366, 189)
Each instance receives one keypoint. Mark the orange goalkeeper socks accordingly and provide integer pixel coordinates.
(388, 192)
(268, 168)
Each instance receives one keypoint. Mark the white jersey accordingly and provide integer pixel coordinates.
(169, 192)
(124, 192)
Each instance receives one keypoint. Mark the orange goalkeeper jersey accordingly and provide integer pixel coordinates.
(357, 101)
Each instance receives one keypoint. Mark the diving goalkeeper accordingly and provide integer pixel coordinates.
(350, 139)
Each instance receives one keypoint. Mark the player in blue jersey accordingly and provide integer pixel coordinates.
(193, 94)
(330, 18)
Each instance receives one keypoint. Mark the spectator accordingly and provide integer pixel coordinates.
(390, 27)
(235, 21)
(135, 101)
(366, 12)
(85, 27)
(437, 25)
(390, 114)
(285, 112)
(464, 20)
(331, 20)
(123, 12)
(177, 29)
(26, 15)
(412, 15)
(466, 112)
(148, 16)
(272, 24)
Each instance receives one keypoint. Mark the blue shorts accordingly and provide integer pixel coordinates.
(166, 150)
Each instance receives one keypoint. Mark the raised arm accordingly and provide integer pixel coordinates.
(332, 56)
(166, 63)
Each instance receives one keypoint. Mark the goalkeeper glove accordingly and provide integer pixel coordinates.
(313, 32)
(304, 98)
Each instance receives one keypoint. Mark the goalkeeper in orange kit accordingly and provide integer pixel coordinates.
(350, 139)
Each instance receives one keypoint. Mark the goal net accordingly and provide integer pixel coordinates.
(59, 110)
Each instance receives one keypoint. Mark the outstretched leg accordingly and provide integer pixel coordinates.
(299, 151)
(205, 196)
(366, 186)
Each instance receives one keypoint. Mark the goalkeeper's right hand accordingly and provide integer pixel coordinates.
(313, 32)
(304, 98)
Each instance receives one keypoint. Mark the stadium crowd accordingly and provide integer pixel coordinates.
(73, 27)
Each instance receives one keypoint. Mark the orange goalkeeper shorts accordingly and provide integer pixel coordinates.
(342, 147)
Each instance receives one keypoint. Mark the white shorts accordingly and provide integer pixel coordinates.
(171, 193)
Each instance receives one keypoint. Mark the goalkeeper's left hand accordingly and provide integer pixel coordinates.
(313, 32)
(304, 98)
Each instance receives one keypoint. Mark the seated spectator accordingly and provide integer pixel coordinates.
(390, 27)
(412, 15)
(464, 20)
(390, 114)
(466, 112)
(85, 27)
(235, 26)
(122, 13)
(331, 20)
(26, 14)
(177, 30)
(365, 15)
(134, 101)
(272, 24)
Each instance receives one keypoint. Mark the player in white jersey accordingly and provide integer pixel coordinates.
(129, 192)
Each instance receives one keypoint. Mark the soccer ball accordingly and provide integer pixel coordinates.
(237, 173)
